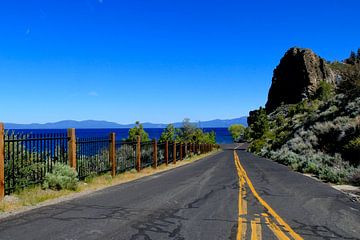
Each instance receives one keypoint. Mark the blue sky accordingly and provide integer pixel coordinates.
(158, 61)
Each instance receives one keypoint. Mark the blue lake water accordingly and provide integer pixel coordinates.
(222, 134)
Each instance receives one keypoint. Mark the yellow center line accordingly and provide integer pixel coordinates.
(242, 206)
(257, 196)
(256, 229)
(275, 229)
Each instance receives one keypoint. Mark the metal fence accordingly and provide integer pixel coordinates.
(92, 156)
(161, 153)
(28, 157)
(125, 156)
(147, 153)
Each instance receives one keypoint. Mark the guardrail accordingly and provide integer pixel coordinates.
(26, 158)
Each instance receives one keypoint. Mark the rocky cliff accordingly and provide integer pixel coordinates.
(297, 77)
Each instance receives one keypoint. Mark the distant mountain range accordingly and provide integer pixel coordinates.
(217, 123)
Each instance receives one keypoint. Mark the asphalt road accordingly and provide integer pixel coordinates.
(201, 200)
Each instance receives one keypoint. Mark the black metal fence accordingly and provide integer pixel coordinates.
(92, 156)
(125, 156)
(161, 153)
(28, 157)
(147, 154)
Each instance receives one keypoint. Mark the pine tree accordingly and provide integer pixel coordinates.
(352, 58)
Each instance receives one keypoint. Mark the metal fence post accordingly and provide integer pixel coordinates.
(174, 153)
(138, 154)
(72, 147)
(167, 152)
(112, 154)
(155, 160)
(2, 161)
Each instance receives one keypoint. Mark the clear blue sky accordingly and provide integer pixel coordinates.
(157, 61)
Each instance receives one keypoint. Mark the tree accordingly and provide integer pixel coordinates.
(258, 123)
(325, 91)
(136, 131)
(237, 131)
(358, 55)
(350, 85)
(187, 132)
(168, 134)
(352, 59)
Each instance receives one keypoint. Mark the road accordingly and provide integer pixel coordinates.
(230, 195)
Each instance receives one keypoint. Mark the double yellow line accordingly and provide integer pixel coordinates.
(280, 228)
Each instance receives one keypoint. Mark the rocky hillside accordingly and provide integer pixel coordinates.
(312, 118)
(297, 77)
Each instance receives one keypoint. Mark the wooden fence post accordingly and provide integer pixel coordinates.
(174, 153)
(167, 152)
(112, 154)
(186, 150)
(155, 156)
(2, 161)
(72, 147)
(181, 151)
(138, 154)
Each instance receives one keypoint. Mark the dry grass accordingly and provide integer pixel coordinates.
(36, 196)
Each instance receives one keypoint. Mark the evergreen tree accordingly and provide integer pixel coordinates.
(351, 59)
(168, 134)
(136, 131)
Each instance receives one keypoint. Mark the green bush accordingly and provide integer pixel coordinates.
(62, 177)
(257, 145)
(311, 167)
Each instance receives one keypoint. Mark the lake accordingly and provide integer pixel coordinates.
(222, 134)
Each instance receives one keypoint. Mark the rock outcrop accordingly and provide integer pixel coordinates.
(297, 77)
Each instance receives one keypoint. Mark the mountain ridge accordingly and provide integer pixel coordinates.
(216, 123)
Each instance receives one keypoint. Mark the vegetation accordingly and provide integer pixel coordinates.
(237, 132)
(188, 133)
(320, 136)
(169, 134)
(62, 177)
(136, 131)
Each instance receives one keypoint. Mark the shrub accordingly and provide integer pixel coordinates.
(325, 91)
(328, 174)
(352, 151)
(257, 145)
(311, 167)
(62, 177)
(355, 178)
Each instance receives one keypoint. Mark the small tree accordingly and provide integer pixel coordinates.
(325, 91)
(136, 131)
(237, 131)
(187, 133)
(168, 134)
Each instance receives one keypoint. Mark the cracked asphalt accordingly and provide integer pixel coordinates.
(195, 201)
